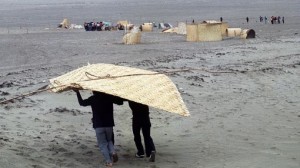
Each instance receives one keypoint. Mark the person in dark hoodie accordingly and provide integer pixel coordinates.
(103, 121)
(141, 121)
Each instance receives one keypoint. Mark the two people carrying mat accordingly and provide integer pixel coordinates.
(103, 123)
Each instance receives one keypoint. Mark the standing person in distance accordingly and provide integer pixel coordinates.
(141, 121)
(266, 19)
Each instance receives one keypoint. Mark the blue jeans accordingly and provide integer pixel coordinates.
(105, 143)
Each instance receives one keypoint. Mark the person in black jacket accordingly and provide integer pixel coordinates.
(141, 121)
(103, 121)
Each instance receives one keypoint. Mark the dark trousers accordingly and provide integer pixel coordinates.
(149, 145)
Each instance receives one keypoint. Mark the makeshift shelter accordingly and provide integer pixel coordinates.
(64, 24)
(211, 21)
(204, 32)
(106, 25)
(233, 32)
(147, 87)
(224, 27)
(248, 33)
(147, 27)
(209, 32)
(171, 30)
(181, 28)
(124, 25)
(123, 22)
(191, 32)
(134, 37)
(164, 25)
(75, 26)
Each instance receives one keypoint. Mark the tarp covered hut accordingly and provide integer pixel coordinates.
(233, 32)
(107, 24)
(171, 30)
(248, 33)
(164, 25)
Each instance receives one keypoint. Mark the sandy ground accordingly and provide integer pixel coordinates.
(248, 118)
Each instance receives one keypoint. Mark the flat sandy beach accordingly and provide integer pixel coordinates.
(248, 117)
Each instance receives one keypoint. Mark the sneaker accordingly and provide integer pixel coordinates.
(139, 156)
(152, 157)
(115, 157)
(108, 164)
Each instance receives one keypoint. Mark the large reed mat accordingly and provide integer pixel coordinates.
(147, 87)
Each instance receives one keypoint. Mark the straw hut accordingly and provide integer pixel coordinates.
(134, 37)
(147, 27)
(248, 33)
(191, 32)
(233, 32)
(209, 32)
(64, 24)
(181, 28)
(124, 24)
(204, 32)
(211, 21)
(224, 27)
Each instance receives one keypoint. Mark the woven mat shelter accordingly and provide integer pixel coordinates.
(147, 87)
(132, 38)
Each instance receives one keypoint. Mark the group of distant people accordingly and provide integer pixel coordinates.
(103, 123)
(95, 26)
(273, 19)
(102, 26)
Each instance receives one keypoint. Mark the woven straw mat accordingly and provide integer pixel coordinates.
(143, 86)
